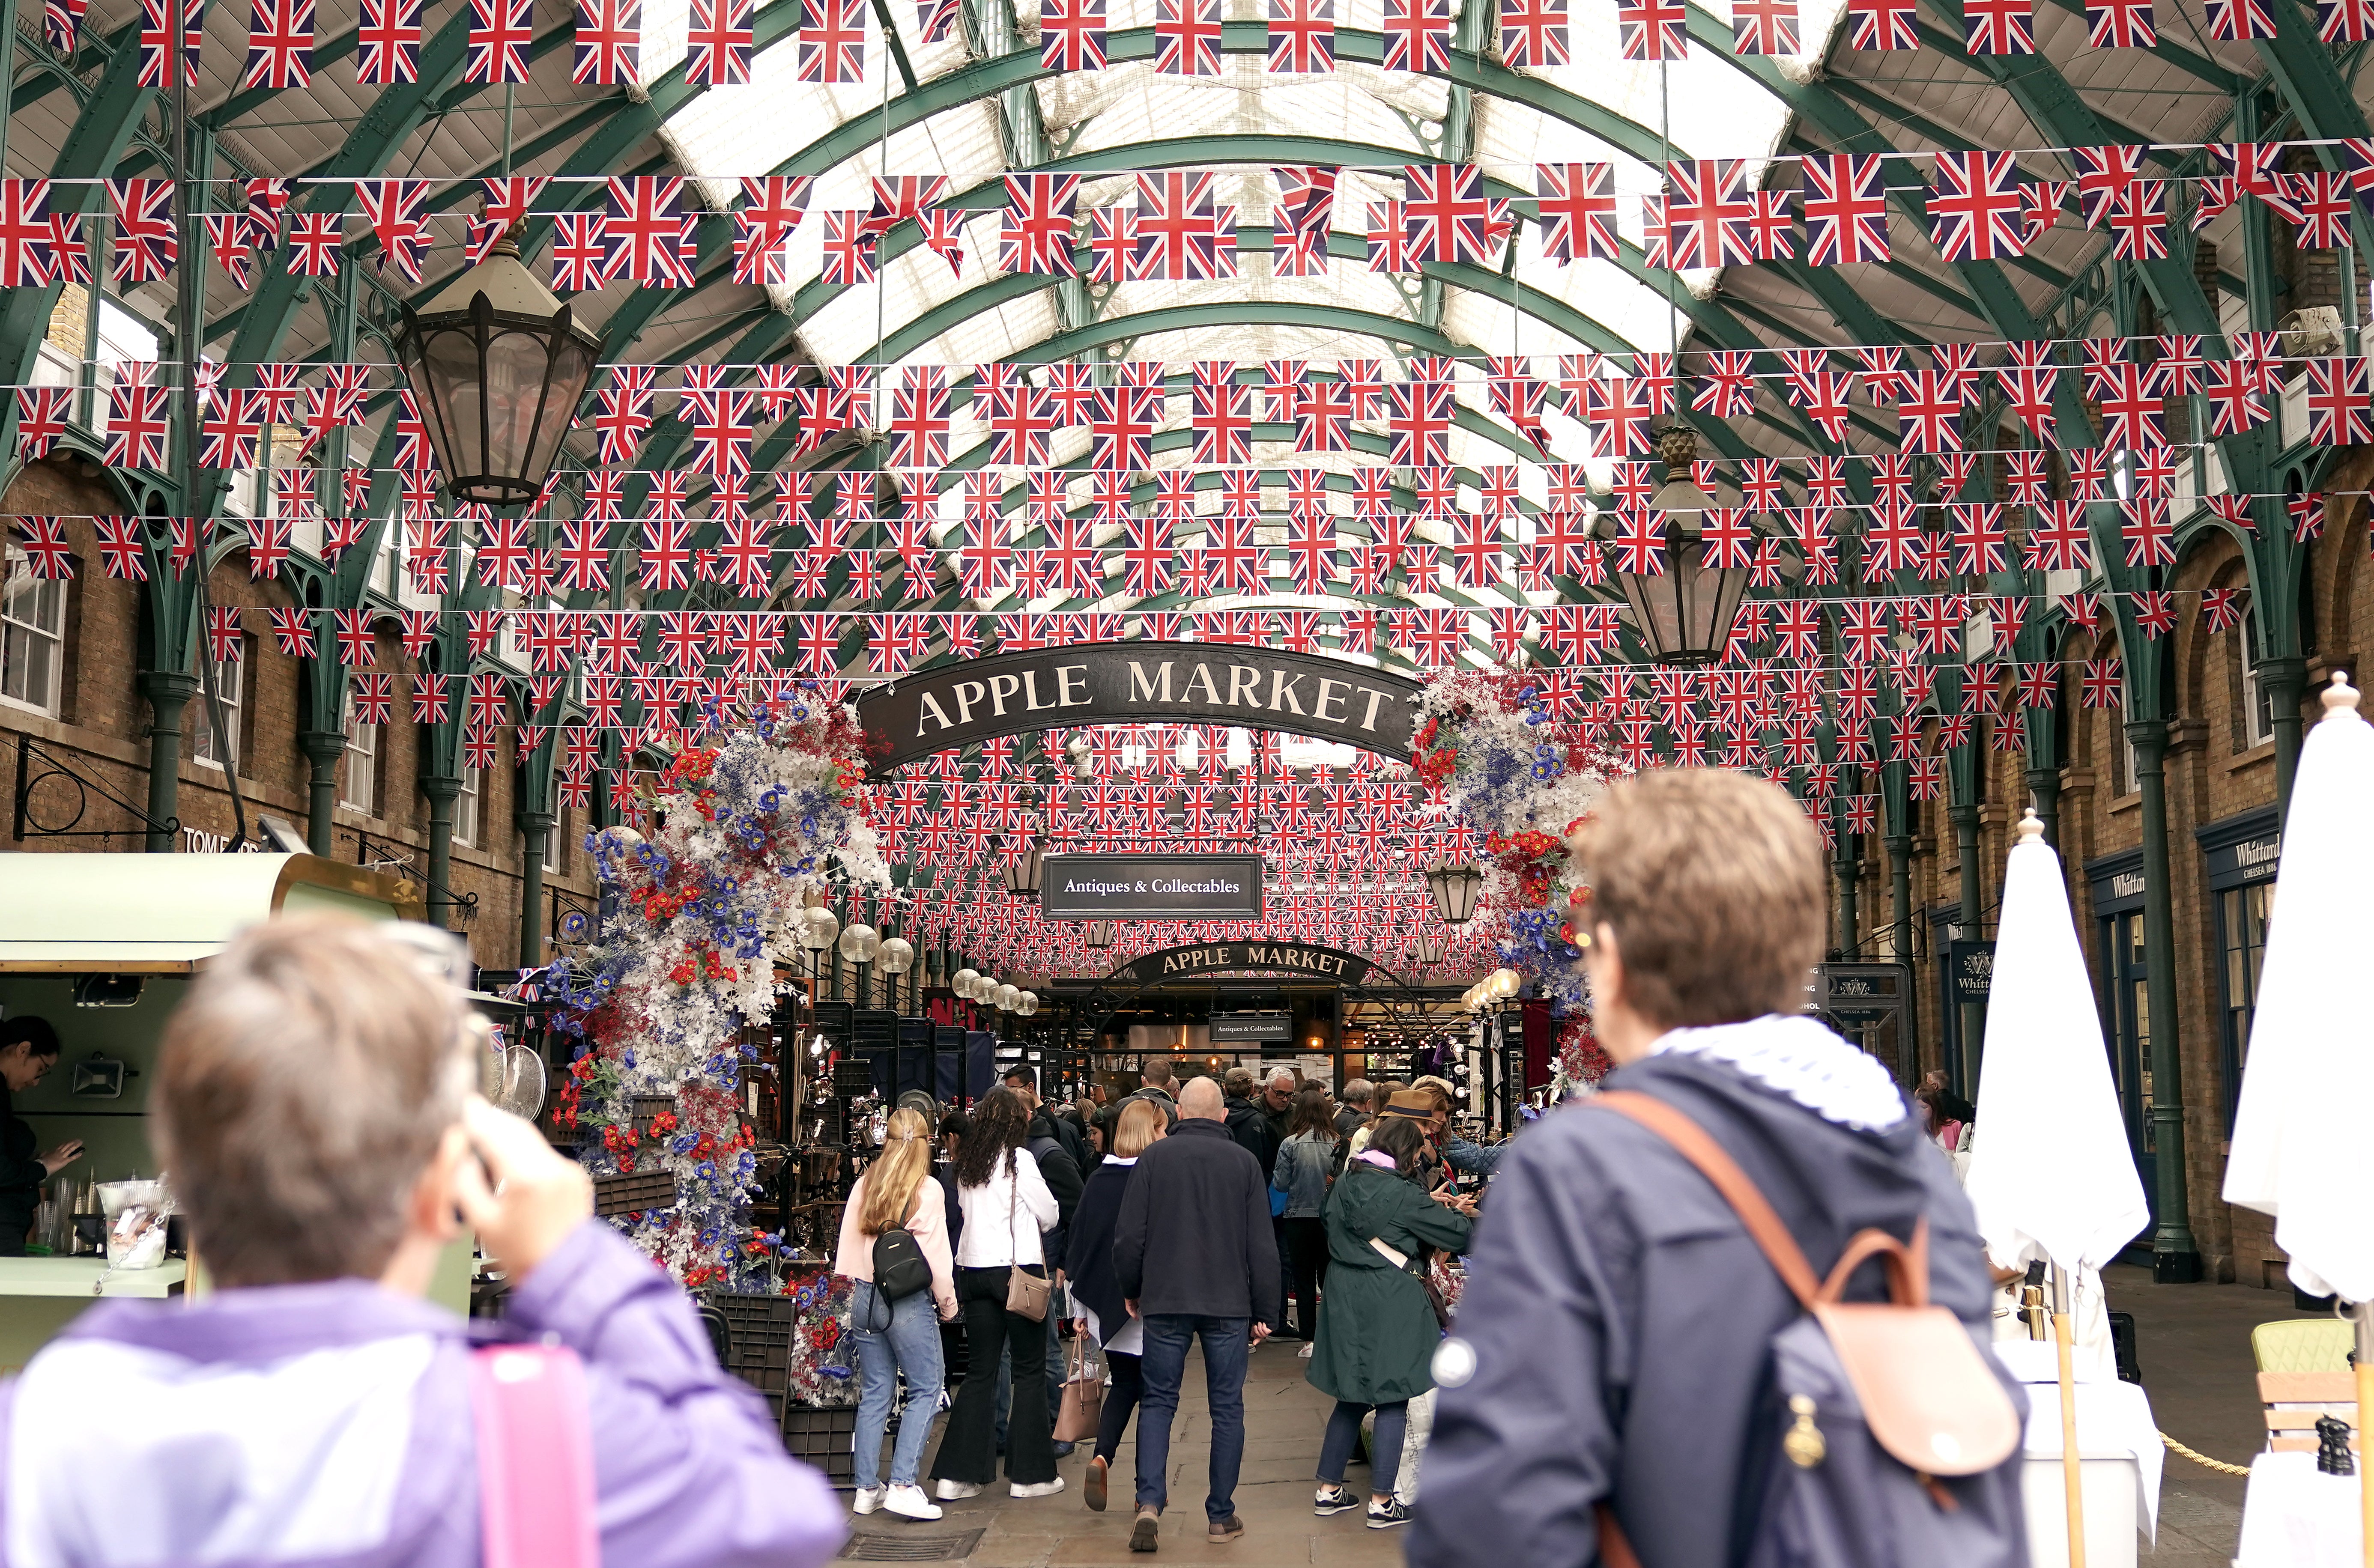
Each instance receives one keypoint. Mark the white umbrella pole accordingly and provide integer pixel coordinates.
(2363, 1312)
(2072, 1472)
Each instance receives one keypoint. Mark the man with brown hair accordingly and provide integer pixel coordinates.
(1613, 1342)
(314, 1109)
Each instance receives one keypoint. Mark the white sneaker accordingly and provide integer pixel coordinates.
(1305, 1351)
(1037, 1488)
(955, 1491)
(866, 1499)
(908, 1502)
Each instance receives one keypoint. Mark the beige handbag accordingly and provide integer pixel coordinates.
(1083, 1409)
(1025, 1295)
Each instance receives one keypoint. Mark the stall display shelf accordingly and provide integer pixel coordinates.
(826, 1437)
(75, 1277)
(615, 1195)
(759, 1333)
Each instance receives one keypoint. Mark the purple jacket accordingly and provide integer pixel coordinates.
(330, 1424)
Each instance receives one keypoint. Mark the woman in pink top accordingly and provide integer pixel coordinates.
(900, 1336)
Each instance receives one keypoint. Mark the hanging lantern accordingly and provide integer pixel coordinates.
(1455, 890)
(499, 369)
(1684, 614)
(1100, 934)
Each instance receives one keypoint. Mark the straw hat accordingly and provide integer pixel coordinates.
(1415, 1104)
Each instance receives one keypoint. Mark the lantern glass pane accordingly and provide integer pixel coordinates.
(451, 374)
(516, 362)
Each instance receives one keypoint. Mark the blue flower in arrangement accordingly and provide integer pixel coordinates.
(706, 1171)
(682, 1143)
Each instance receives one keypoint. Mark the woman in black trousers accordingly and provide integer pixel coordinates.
(1095, 1292)
(1007, 1206)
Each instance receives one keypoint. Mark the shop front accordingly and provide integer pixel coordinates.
(2123, 989)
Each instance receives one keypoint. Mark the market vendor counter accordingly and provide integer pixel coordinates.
(40, 1295)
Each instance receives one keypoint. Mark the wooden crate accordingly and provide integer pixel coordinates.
(826, 1437)
(760, 1330)
(639, 1193)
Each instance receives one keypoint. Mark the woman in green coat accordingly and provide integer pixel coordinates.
(1377, 1332)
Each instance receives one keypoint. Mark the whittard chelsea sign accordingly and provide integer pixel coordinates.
(1133, 683)
(1104, 887)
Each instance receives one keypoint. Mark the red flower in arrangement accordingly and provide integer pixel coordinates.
(626, 1165)
(684, 974)
(619, 1139)
(662, 1125)
(826, 1332)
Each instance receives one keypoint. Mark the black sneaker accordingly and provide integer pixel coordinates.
(1386, 1517)
(1334, 1500)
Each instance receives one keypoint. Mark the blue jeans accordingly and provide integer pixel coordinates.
(911, 1345)
(1164, 1364)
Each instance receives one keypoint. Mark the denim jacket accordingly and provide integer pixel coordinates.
(1303, 1163)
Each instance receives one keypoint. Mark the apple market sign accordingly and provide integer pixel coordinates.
(1139, 682)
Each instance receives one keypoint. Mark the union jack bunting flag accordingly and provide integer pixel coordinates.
(387, 48)
(1974, 209)
(2338, 410)
(2323, 202)
(500, 32)
(2344, 21)
(2119, 24)
(1533, 32)
(123, 551)
(1578, 210)
(609, 41)
(642, 230)
(393, 207)
(1301, 215)
(2027, 381)
(2232, 22)
(1187, 38)
(1653, 30)
(1448, 218)
(136, 426)
(1708, 217)
(936, 20)
(1302, 36)
(832, 41)
(2045, 200)
(1762, 27)
(41, 413)
(1727, 390)
(59, 21)
(228, 237)
(1182, 232)
(2102, 173)
(771, 208)
(156, 39)
(719, 41)
(315, 241)
(280, 44)
(502, 208)
(2057, 538)
(2132, 398)
(1883, 24)
(2139, 221)
(578, 252)
(1072, 35)
(28, 235)
(1418, 35)
(145, 238)
(1999, 26)
(2236, 402)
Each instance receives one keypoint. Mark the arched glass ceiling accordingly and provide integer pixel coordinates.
(1703, 105)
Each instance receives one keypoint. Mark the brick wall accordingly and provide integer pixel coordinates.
(102, 729)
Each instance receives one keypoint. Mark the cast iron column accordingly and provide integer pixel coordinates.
(1844, 865)
(1972, 1016)
(2285, 681)
(322, 748)
(2174, 1257)
(536, 828)
(443, 789)
(169, 693)
(1899, 890)
(2044, 785)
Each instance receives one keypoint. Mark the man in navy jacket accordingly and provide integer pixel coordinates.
(1614, 1343)
(1196, 1258)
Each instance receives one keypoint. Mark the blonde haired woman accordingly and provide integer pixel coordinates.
(897, 1191)
(1095, 1292)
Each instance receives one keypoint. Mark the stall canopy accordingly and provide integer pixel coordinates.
(166, 914)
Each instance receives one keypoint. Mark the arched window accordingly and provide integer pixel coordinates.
(2254, 715)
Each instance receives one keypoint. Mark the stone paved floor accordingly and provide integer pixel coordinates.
(2193, 1343)
(1284, 1418)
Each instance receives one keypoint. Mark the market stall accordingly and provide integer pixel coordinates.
(103, 946)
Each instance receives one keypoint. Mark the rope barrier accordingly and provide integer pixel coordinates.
(2220, 1466)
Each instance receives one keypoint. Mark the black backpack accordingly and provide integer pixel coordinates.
(900, 1267)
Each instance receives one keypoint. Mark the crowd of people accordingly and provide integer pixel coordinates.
(1633, 1371)
(1209, 1213)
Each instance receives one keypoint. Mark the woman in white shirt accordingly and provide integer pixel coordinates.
(898, 1337)
(1007, 1205)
